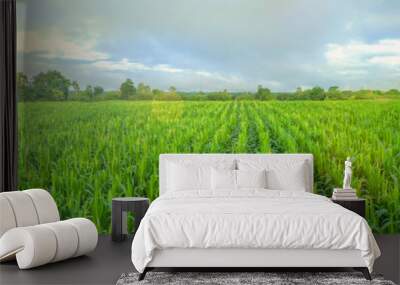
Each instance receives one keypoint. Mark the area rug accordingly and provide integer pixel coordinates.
(229, 278)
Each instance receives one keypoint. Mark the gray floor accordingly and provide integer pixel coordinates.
(103, 266)
(389, 262)
(110, 260)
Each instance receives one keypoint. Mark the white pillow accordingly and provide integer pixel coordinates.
(223, 179)
(251, 178)
(281, 174)
(294, 179)
(188, 177)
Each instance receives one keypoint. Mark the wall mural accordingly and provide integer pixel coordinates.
(106, 86)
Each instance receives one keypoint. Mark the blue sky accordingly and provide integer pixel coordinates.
(213, 44)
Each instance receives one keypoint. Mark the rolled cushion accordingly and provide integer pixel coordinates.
(23, 208)
(32, 246)
(37, 245)
(46, 207)
(7, 218)
(87, 234)
(26, 208)
(67, 240)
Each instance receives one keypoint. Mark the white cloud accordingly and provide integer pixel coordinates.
(386, 60)
(53, 43)
(125, 65)
(352, 72)
(355, 54)
(215, 76)
(166, 68)
(122, 65)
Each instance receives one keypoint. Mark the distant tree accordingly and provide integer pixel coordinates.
(127, 89)
(316, 93)
(75, 87)
(75, 93)
(49, 85)
(364, 94)
(225, 95)
(245, 96)
(143, 92)
(393, 92)
(112, 95)
(299, 94)
(97, 91)
(58, 95)
(219, 96)
(157, 92)
(263, 93)
(282, 96)
(346, 94)
(172, 89)
(334, 93)
(24, 91)
(170, 95)
(89, 92)
(194, 96)
(201, 96)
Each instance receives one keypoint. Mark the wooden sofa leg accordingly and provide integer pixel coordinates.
(143, 274)
(364, 271)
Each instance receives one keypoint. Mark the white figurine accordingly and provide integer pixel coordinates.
(347, 174)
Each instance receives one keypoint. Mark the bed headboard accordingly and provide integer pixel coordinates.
(212, 159)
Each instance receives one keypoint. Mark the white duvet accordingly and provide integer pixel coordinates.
(250, 219)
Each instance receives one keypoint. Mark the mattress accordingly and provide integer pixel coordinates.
(250, 219)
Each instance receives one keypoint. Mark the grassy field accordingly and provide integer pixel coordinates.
(87, 153)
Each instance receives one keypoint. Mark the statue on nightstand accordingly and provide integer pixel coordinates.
(347, 174)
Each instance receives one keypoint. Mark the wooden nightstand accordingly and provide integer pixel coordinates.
(356, 205)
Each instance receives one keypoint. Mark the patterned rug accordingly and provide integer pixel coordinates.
(229, 278)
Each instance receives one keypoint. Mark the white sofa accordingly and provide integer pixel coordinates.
(31, 231)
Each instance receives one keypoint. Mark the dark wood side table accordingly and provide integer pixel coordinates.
(356, 205)
(120, 206)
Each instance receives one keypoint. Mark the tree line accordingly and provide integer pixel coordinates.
(54, 86)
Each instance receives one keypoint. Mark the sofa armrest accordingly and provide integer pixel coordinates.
(32, 246)
(40, 244)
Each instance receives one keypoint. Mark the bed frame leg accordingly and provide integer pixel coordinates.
(364, 271)
(143, 274)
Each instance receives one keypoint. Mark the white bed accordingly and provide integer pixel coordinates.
(250, 227)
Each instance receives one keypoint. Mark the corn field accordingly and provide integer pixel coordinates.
(88, 153)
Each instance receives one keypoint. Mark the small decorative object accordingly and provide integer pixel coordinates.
(347, 193)
(344, 194)
(347, 174)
